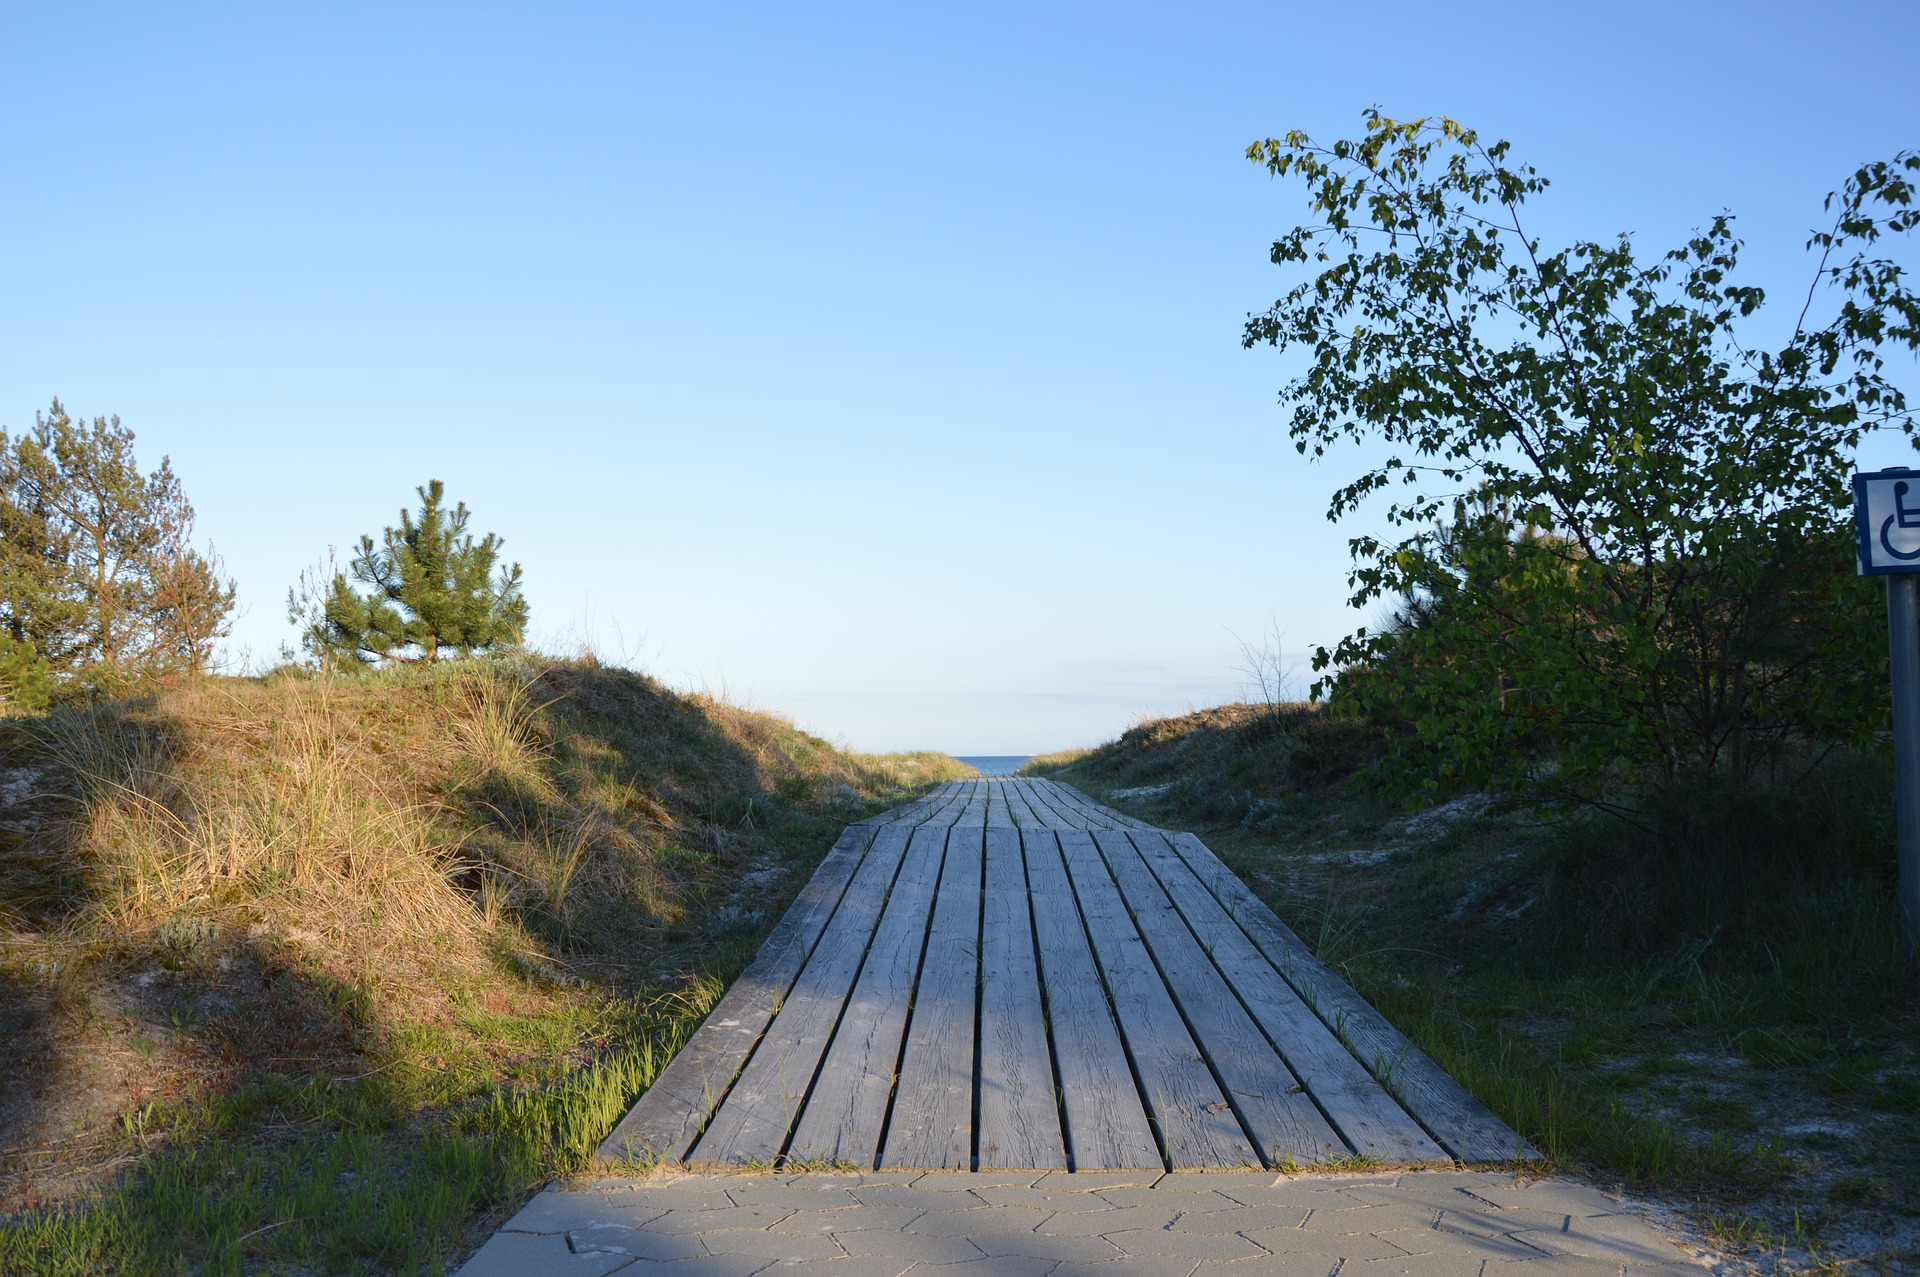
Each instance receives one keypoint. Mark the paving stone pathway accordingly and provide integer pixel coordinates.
(1088, 1224)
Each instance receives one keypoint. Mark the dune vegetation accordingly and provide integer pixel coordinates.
(326, 973)
(1696, 992)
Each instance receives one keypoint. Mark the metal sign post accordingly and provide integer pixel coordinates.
(1886, 522)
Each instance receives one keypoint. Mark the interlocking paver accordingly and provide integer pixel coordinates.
(1098, 1223)
(997, 1266)
(672, 1194)
(1094, 1181)
(1183, 1197)
(1492, 1222)
(916, 1246)
(1216, 1181)
(640, 1243)
(1292, 1193)
(1134, 1266)
(705, 1266)
(713, 1221)
(1487, 1222)
(884, 1218)
(1238, 1219)
(980, 1219)
(952, 1197)
(801, 1195)
(1298, 1241)
(1058, 1199)
(1441, 1241)
(992, 1179)
(1574, 1266)
(1423, 1266)
(1142, 1241)
(557, 1210)
(856, 1266)
(1274, 1266)
(518, 1254)
(1371, 1219)
(1047, 1246)
(952, 1224)
(781, 1246)
(1635, 1242)
(1567, 1196)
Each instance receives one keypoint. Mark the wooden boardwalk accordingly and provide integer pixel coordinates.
(1007, 975)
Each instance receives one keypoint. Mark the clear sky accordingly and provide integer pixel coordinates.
(877, 364)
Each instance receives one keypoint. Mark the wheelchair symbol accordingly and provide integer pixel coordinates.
(1908, 516)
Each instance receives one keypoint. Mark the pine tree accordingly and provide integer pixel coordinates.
(99, 580)
(434, 589)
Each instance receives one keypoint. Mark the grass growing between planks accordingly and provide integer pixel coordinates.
(1703, 1000)
(327, 975)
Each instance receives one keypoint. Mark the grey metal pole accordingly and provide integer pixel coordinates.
(1903, 648)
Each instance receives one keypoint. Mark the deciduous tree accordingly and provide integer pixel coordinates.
(1619, 529)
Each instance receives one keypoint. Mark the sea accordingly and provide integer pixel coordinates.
(995, 764)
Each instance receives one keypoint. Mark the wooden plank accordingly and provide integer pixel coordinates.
(751, 1126)
(999, 815)
(975, 814)
(1079, 815)
(1051, 810)
(906, 813)
(1099, 812)
(950, 800)
(1451, 1114)
(668, 1117)
(1270, 1101)
(955, 799)
(1090, 813)
(1017, 804)
(931, 1126)
(1366, 1116)
(1106, 1123)
(1019, 1118)
(1196, 1123)
(956, 804)
(1044, 816)
(848, 1105)
(916, 811)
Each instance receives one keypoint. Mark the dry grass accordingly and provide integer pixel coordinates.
(238, 884)
(1047, 764)
(305, 811)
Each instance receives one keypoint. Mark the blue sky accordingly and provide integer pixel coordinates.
(876, 364)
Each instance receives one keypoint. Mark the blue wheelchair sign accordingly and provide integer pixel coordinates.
(1886, 521)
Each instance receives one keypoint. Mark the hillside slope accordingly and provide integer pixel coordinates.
(435, 925)
(1699, 997)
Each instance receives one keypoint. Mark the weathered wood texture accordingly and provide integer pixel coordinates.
(1271, 1103)
(1370, 1118)
(932, 1123)
(1106, 1120)
(751, 1126)
(848, 1107)
(670, 1115)
(1461, 1123)
(1007, 975)
(1196, 1122)
(1019, 1118)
